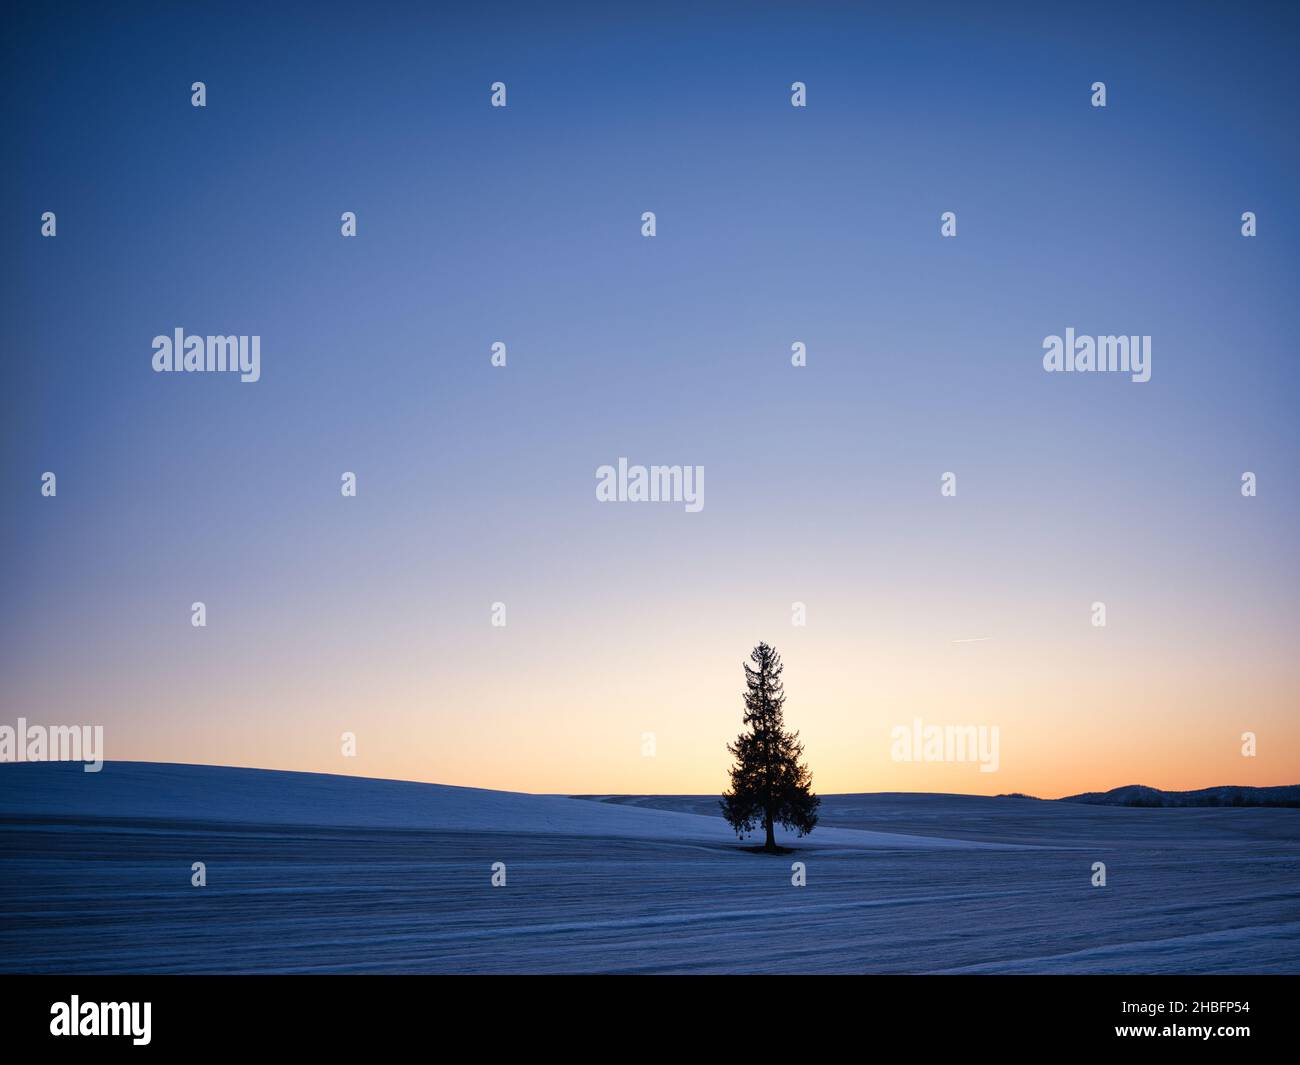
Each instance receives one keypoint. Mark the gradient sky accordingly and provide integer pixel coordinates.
(822, 484)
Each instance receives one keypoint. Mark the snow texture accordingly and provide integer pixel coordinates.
(316, 873)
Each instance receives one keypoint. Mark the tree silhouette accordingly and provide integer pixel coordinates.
(768, 782)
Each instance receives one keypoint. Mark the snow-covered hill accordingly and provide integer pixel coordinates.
(310, 873)
(1228, 795)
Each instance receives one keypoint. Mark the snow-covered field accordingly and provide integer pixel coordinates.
(344, 874)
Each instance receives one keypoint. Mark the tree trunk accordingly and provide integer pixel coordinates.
(770, 845)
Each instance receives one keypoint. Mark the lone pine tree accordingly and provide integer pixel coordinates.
(768, 782)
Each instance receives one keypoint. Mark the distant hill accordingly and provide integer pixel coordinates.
(1141, 795)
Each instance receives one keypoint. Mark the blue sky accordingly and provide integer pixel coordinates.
(521, 224)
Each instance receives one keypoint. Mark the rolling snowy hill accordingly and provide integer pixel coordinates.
(313, 873)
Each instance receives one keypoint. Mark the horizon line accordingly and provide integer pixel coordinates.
(586, 794)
